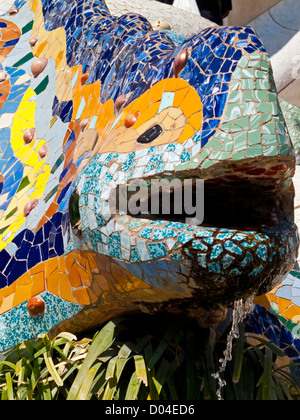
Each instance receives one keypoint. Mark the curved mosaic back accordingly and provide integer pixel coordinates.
(90, 102)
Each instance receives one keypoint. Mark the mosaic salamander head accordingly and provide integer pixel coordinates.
(117, 103)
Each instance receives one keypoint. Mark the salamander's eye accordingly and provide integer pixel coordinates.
(150, 134)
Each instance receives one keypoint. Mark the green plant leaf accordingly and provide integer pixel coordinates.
(101, 342)
(9, 386)
(140, 368)
(266, 343)
(112, 383)
(111, 366)
(85, 389)
(163, 345)
(51, 368)
(208, 367)
(171, 361)
(267, 375)
(125, 350)
(133, 388)
(239, 354)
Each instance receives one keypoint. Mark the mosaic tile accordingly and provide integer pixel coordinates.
(292, 116)
(117, 101)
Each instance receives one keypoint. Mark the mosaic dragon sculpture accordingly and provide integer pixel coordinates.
(90, 102)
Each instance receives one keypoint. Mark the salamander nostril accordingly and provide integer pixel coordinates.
(150, 134)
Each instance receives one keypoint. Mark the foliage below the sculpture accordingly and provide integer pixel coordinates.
(153, 358)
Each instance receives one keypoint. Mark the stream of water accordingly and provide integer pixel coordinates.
(241, 309)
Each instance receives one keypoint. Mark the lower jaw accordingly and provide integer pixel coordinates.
(199, 294)
(253, 273)
(264, 238)
(211, 293)
(221, 265)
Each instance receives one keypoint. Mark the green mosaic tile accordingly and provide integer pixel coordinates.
(248, 84)
(259, 74)
(25, 181)
(215, 144)
(235, 128)
(254, 137)
(248, 108)
(285, 150)
(182, 167)
(227, 146)
(274, 108)
(263, 107)
(257, 56)
(248, 95)
(235, 84)
(248, 73)
(226, 126)
(208, 163)
(234, 111)
(238, 156)
(220, 155)
(262, 84)
(254, 121)
(42, 86)
(51, 193)
(269, 139)
(260, 95)
(255, 63)
(24, 60)
(266, 117)
(282, 140)
(11, 213)
(204, 154)
(237, 74)
(235, 97)
(272, 96)
(254, 151)
(194, 163)
(269, 128)
(244, 61)
(240, 141)
(220, 135)
(270, 150)
(27, 27)
(292, 117)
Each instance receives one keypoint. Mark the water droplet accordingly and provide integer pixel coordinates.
(241, 309)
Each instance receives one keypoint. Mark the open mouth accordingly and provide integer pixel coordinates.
(240, 204)
(245, 241)
(225, 238)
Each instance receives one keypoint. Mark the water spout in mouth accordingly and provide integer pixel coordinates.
(241, 309)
